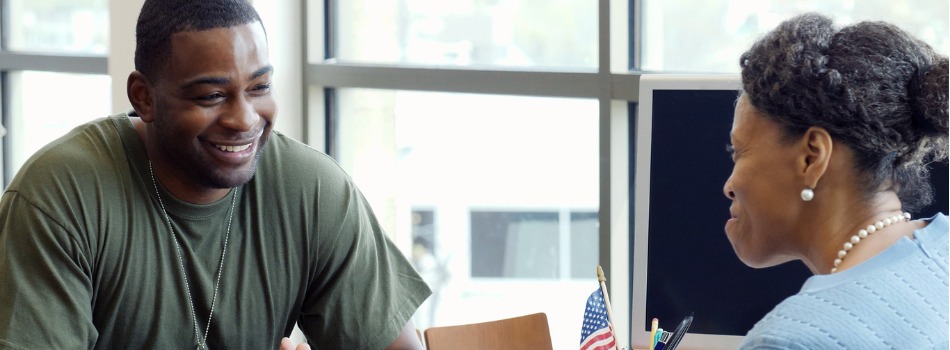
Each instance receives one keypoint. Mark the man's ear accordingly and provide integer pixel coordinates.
(816, 154)
(140, 94)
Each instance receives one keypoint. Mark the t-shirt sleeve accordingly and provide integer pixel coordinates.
(363, 290)
(45, 290)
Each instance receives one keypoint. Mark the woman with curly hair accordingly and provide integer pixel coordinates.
(831, 138)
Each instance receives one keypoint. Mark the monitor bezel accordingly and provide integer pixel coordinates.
(641, 202)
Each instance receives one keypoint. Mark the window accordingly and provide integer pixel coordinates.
(515, 244)
(430, 163)
(551, 33)
(52, 72)
(675, 31)
(584, 226)
(59, 26)
(36, 121)
(533, 244)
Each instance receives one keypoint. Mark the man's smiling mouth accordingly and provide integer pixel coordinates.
(232, 148)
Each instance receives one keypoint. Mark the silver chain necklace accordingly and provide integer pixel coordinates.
(202, 340)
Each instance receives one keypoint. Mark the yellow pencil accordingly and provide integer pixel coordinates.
(653, 326)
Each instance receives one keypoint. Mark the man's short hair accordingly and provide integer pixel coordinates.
(159, 19)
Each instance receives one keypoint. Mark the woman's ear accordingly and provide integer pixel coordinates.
(817, 147)
(139, 90)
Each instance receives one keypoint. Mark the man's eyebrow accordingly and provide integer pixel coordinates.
(262, 71)
(224, 81)
(205, 81)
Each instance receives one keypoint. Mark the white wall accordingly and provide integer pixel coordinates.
(283, 23)
(122, 16)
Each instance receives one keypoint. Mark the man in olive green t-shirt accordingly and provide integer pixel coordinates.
(190, 223)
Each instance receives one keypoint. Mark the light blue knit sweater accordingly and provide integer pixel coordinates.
(896, 300)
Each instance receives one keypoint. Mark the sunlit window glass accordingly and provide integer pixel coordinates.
(515, 244)
(488, 191)
(584, 236)
(73, 26)
(710, 35)
(533, 33)
(47, 105)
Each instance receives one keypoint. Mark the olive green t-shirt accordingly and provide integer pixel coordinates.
(87, 259)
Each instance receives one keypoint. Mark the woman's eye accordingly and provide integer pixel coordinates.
(732, 152)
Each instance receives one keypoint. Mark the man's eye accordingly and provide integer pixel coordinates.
(211, 97)
(262, 88)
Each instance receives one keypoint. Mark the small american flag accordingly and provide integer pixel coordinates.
(596, 333)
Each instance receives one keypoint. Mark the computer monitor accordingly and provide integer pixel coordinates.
(681, 261)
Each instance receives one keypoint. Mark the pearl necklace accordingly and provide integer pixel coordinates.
(202, 340)
(863, 233)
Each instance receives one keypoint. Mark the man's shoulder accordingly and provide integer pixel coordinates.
(76, 150)
(291, 159)
(287, 146)
(76, 169)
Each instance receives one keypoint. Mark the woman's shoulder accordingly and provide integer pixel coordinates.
(936, 229)
(789, 327)
(934, 241)
(812, 321)
(864, 307)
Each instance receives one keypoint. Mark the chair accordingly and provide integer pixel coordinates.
(523, 332)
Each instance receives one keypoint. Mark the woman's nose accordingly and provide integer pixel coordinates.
(727, 189)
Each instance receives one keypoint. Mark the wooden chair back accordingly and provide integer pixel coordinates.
(523, 332)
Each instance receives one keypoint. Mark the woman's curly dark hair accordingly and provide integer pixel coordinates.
(871, 85)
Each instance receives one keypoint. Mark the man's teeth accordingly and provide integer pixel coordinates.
(233, 148)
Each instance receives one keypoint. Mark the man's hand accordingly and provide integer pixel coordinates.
(287, 344)
(408, 339)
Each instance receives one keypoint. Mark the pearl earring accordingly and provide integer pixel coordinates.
(808, 194)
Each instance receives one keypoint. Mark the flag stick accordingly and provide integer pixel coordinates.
(610, 313)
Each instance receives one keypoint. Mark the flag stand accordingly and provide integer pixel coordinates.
(610, 314)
